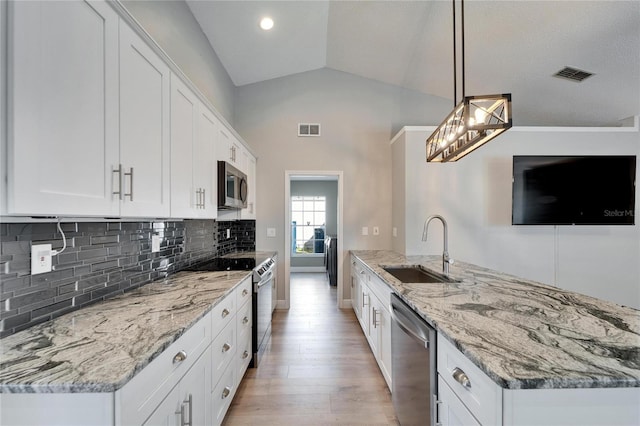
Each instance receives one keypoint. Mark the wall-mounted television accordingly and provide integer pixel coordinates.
(574, 190)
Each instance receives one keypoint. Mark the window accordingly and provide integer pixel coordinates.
(308, 217)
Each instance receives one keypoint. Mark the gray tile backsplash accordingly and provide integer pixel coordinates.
(102, 259)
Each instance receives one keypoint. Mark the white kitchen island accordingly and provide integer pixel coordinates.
(535, 354)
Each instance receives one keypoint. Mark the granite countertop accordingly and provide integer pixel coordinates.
(101, 347)
(523, 334)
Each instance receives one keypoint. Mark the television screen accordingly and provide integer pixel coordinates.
(573, 190)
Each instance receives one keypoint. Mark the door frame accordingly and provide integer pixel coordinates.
(288, 174)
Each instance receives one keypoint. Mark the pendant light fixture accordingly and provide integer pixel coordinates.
(473, 122)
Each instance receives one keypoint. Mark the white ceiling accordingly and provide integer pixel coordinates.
(511, 47)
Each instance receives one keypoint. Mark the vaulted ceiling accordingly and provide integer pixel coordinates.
(510, 47)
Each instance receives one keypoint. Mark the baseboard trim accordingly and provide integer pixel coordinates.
(308, 269)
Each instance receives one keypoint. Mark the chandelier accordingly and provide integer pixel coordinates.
(473, 122)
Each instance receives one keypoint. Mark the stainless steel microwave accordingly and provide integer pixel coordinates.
(232, 187)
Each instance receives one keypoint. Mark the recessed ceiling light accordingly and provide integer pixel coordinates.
(266, 23)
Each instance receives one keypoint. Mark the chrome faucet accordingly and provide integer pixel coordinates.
(446, 260)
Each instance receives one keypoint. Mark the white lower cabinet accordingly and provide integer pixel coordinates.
(188, 402)
(192, 382)
(451, 411)
(371, 305)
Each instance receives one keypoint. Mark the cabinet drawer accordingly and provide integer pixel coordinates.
(223, 393)
(243, 321)
(451, 411)
(243, 356)
(223, 313)
(140, 397)
(483, 397)
(244, 292)
(223, 351)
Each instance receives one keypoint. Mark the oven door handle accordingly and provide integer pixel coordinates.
(265, 279)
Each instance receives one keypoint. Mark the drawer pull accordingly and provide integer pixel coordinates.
(461, 377)
(225, 392)
(245, 320)
(226, 347)
(245, 355)
(179, 357)
(225, 312)
(245, 292)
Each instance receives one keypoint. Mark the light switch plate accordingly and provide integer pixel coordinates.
(395, 231)
(376, 230)
(365, 230)
(228, 232)
(40, 258)
(155, 243)
(271, 232)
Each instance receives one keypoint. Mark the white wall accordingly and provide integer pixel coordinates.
(474, 195)
(357, 118)
(173, 27)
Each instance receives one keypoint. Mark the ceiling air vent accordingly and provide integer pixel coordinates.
(573, 74)
(308, 129)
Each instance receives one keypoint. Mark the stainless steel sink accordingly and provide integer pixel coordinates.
(417, 274)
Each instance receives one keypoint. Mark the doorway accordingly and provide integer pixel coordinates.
(304, 243)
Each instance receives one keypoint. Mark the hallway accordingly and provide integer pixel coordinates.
(318, 369)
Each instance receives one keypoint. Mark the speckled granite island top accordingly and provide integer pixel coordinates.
(101, 347)
(523, 334)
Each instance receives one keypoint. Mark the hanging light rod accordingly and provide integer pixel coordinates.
(473, 122)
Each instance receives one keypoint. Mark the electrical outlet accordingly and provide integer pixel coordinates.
(395, 231)
(271, 232)
(365, 230)
(228, 232)
(155, 243)
(376, 230)
(40, 258)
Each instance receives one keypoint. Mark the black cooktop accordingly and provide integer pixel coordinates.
(224, 264)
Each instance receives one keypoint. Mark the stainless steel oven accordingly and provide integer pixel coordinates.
(263, 284)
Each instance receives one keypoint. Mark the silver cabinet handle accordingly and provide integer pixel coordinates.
(130, 174)
(461, 377)
(204, 198)
(363, 302)
(245, 320)
(225, 312)
(245, 355)
(226, 347)
(374, 319)
(119, 172)
(179, 357)
(245, 292)
(362, 272)
(225, 392)
(189, 402)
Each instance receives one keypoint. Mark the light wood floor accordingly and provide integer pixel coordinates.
(317, 370)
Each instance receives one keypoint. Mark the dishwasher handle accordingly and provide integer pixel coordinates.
(405, 324)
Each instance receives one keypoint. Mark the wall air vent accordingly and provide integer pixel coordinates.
(308, 129)
(572, 74)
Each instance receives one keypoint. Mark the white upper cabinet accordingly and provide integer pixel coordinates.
(144, 129)
(63, 111)
(193, 162)
(230, 149)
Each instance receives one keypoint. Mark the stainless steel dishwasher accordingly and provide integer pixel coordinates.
(413, 351)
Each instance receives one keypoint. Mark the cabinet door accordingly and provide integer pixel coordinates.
(144, 128)
(63, 115)
(184, 196)
(384, 343)
(451, 411)
(226, 146)
(205, 164)
(195, 390)
(374, 323)
(168, 412)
